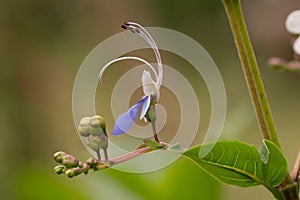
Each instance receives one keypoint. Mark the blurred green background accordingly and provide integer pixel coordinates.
(42, 44)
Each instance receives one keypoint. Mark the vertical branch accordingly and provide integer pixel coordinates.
(250, 68)
(254, 82)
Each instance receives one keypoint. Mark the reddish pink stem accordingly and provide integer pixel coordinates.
(130, 155)
(296, 169)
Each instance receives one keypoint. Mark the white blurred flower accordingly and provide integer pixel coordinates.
(292, 24)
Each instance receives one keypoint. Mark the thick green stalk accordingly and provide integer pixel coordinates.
(251, 70)
(253, 78)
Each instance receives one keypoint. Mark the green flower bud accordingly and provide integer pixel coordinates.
(70, 173)
(84, 131)
(97, 142)
(77, 170)
(59, 169)
(58, 156)
(96, 131)
(92, 162)
(70, 161)
(98, 122)
(74, 172)
(93, 142)
(84, 127)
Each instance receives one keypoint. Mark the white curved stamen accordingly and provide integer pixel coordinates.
(126, 58)
(148, 40)
(137, 28)
(151, 42)
(156, 52)
(142, 30)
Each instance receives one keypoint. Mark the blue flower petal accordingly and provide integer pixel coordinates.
(125, 121)
(145, 107)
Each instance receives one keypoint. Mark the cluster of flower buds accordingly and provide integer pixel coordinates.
(70, 166)
(93, 129)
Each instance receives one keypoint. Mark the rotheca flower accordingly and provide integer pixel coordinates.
(150, 87)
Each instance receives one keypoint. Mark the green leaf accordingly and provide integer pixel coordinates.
(240, 164)
(275, 163)
(231, 162)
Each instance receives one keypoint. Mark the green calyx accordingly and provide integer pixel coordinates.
(151, 115)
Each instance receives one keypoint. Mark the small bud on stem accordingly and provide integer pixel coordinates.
(58, 156)
(59, 169)
(70, 161)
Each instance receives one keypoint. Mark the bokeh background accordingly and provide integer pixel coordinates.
(42, 44)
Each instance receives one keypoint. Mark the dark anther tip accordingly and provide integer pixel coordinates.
(123, 26)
